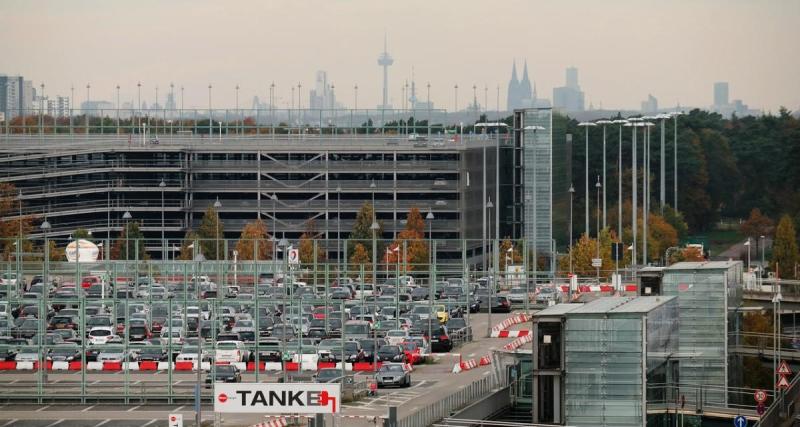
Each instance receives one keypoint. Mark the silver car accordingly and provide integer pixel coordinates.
(393, 374)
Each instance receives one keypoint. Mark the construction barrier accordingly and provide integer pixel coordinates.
(499, 330)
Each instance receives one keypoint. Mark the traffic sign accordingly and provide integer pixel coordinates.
(784, 369)
(277, 398)
(294, 256)
(760, 409)
(783, 382)
(760, 396)
(597, 262)
(175, 420)
(740, 421)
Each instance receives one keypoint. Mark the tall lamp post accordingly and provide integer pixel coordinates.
(675, 158)
(619, 176)
(597, 186)
(747, 243)
(217, 205)
(162, 185)
(45, 227)
(603, 123)
(489, 206)
(646, 189)
(586, 126)
(127, 217)
(339, 226)
(571, 197)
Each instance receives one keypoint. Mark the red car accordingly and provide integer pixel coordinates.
(412, 351)
(88, 281)
(319, 313)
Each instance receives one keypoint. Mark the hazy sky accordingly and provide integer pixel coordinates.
(624, 49)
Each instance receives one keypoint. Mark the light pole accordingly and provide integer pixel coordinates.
(88, 86)
(45, 227)
(646, 190)
(339, 226)
(603, 123)
(162, 185)
(662, 191)
(217, 205)
(237, 109)
(571, 197)
(355, 92)
(597, 186)
(118, 130)
(763, 248)
(127, 217)
(274, 198)
(586, 126)
(634, 123)
(619, 178)
(747, 243)
(489, 206)
(210, 122)
(675, 158)
(455, 100)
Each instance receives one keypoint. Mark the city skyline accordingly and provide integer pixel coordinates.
(673, 69)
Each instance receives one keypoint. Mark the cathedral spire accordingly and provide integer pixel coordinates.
(524, 94)
(513, 98)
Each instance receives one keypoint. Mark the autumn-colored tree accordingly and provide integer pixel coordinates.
(411, 239)
(254, 235)
(306, 249)
(756, 325)
(585, 250)
(187, 250)
(360, 259)
(11, 229)
(757, 225)
(784, 249)
(509, 254)
(55, 253)
(660, 236)
(211, 233)
(687, 254)
(129, 243)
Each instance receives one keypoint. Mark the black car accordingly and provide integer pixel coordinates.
(65, 353)
(152, 353)
(420, 294)
(224, 374)
(440, 340)
(269, 350)
(391, 353)
(369, 345)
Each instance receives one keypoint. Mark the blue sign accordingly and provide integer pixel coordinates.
(740, 421)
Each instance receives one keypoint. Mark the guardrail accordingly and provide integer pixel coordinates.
(448, 404)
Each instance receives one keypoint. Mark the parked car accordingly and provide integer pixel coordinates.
(65, 353)
(224, 374)
(547, 294)
(391, 353)
(231, 351)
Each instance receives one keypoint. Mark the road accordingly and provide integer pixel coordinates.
(429, 383)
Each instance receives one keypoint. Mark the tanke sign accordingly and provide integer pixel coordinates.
(277, 398)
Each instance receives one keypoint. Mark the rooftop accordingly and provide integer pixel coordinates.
(558, 310)
(705, 265)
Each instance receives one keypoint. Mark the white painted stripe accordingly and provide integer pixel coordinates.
(150, 422)
(102, 422)
(134, 408)
(9, 423)
(88, 408)
(55, 423)
(42, 408)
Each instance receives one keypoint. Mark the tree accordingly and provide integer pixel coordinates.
(757, 225)
(187, 252)
(360, 259)
(687, 254)
(306, 249)
(412, 240)
(211, 233)
(254, 235)
(81, 233)
(129, 243)
(585, 250)
(362, 233)
(11, 229)
(784, 249)
(509, 254)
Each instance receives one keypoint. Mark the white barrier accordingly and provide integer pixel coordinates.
(60, 366)
(94, 366)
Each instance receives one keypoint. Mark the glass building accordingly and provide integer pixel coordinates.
(614, 348)
(708, 295)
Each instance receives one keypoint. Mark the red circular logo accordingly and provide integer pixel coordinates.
(222, 397)
(172, 418)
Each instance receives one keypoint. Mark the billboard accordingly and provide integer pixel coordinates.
(277, 398)
(82, 251)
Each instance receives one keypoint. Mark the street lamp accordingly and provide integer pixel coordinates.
(489, 206)
(675, 158)
(217, 205)
(597, 186)
(634, 123)
(571, 197)
(586, 126)
(45, 227)
(747, 243)
(604, 123)
(162, 185)
(127, 217)
(646, 188)
(619, 177)
(339, 226)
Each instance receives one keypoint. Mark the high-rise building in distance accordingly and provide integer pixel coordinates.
(569, 97)
(720, 94)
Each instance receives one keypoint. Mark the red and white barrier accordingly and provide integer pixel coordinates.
(499, 330)
(277, 422)
(519, 342)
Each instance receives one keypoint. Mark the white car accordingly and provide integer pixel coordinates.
(8, 279)
(101, 335)
(189, 354)
(396, 336)
(231, 352)
(172, 335)
(365, 290)
(517, 295)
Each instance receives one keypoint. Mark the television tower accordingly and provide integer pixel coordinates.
(385, 60)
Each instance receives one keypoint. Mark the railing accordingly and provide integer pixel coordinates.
(448, 404)
(783, 406)
(702, 397)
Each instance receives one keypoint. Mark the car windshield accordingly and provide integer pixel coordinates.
(100, 333)
(388, 349)
(226, 345)
(391, 368)
(409, 346)
(226, 369)
(330, 373)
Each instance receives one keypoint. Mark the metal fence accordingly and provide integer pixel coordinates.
(445, 406)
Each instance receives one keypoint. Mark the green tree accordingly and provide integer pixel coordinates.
(81, 233)
(362, 233)
(509, 254)
(212, 235)
(784, 249)
(129, 243)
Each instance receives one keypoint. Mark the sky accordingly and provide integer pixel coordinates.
(624, 49)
